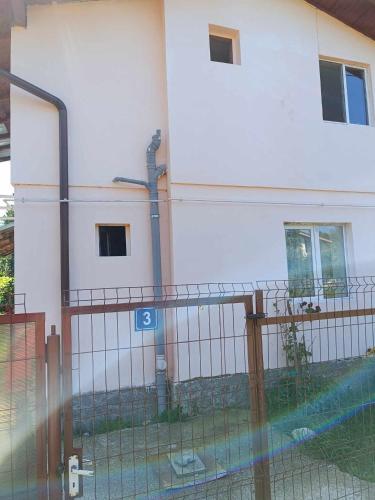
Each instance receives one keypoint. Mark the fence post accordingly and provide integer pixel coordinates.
(257, 397)
(54, 419)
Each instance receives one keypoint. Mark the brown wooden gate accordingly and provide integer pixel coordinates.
(23, 456)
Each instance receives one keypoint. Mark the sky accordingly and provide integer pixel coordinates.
(5, 186)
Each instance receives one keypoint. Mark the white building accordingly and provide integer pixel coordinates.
(253, 158)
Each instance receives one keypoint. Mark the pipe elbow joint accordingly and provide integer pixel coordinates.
(155, 143)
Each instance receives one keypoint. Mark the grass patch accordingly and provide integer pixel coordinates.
(345, 426)
(350, 444)
(286, 395)
(117, 424)
(170, 416)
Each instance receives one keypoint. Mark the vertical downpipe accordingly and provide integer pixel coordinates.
(154, 173)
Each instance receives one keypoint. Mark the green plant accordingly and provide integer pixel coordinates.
(7, 266)
(294, 343)
(172, 415)
(105, 426)
(6, 293)
(285, 395)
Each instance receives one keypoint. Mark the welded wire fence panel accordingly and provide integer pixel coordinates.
(318, 343)
(22, 407)
(197, 446)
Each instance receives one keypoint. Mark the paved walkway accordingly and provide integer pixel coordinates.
(124, 470)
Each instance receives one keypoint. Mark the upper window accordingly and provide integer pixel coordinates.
(316, 251)
(224, 45)
(221, 49)
(344, 93)
(112, 241)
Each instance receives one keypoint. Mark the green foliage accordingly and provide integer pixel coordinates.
(9, 214)
(172, 415)
(7, 263)
(294, 343)
(117, 424)
(7, 266)
(6, 292)
(286, 395)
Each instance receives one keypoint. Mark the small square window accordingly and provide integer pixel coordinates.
(224, 45)
(112, 241)
(344, 93)
(221, 49)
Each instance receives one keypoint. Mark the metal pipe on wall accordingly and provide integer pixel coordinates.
(154, 173)
(63, 170)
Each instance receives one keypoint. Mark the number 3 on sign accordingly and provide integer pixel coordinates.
(146, 319)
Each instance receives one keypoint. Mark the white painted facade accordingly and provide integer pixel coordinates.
(246, 146)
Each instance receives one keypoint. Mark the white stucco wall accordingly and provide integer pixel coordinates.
(105, 60)
(250, 135)
(260, 123)
(255, 132)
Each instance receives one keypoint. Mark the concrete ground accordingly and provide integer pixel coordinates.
(133, 463)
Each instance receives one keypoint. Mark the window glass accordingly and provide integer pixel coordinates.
(333, 100)
(112, 241)
(332, 254)
(356, 89)
(221, 49)
(300, 262)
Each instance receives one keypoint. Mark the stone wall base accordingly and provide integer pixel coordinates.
(131, 407)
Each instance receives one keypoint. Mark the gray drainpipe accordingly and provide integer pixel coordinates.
(154, 173)
(63, 171)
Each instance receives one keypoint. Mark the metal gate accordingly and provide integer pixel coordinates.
(23, 452)
(119, 439)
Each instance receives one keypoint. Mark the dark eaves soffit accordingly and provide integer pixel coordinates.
(358, 14)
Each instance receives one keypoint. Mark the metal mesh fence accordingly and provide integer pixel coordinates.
(12, 303)
(169, 389)
(318, 342)
(22, 438)
(200, 444)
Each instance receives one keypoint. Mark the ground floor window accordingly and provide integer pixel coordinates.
(316, 251)
(112, 241)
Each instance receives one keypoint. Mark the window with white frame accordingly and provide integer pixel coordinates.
(316, 251)
(344, 93)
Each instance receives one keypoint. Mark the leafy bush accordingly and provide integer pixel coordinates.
(6, 292)
(7, 266)
(172, 415)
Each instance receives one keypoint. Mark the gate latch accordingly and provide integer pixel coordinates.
(74, 473)
(256, 316)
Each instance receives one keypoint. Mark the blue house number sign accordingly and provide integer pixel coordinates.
(146, 319)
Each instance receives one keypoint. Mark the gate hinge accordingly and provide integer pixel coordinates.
(256, 316)
(60, 469)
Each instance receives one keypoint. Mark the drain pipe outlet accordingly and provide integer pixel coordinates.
(154, 173)
(63, 170)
